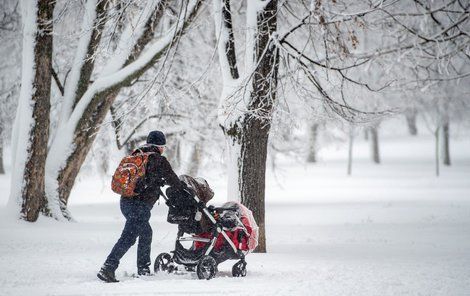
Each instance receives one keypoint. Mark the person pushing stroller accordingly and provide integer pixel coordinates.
(137, 199)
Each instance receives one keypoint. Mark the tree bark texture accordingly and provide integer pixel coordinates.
(230, 44)
(374, 133)
(254, 142)
(89, 63)
(411, 122)
(312, 147)
(33, 192)
(446, 143)
(256, 127)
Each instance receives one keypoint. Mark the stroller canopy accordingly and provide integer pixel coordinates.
(200, 187)
(244, 215)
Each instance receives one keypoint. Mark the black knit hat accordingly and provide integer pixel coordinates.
(156, 138)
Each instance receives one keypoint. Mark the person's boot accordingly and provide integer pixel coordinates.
(107, 275)
(144, 271)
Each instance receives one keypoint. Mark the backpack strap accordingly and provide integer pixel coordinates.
(137, 151)
(140, 151)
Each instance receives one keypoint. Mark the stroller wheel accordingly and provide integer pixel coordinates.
(239, 269)
(206, 268)
(162, 263)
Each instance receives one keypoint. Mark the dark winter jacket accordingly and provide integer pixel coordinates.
(157, 174)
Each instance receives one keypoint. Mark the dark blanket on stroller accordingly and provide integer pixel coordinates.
(182, 209)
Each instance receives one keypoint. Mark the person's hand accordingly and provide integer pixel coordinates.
(201, 204)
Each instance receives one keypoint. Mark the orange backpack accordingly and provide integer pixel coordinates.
(131, 169)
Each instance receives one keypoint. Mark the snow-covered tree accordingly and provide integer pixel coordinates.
(31, 129)
(247, 101)
(9, 71)
(86, 101)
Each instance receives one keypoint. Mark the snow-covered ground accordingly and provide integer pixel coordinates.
(391, 229)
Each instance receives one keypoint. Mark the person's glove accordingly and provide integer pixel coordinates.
(201, 205)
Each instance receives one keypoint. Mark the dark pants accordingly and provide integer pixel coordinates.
(137, 213)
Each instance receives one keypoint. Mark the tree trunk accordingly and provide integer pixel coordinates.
(446, 140)
(375, 144)
(32, 190)
(350, 149)
(247, 133)
(253, 150)
(312, 149)
(84, 138)
(172, 151)
(436, 150)
(178, 154)
(247, 168)
(89, 61)
(2, 168)
(411, 121)
(195, 160)
(254, 144)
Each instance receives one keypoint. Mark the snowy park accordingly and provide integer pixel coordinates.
(393, 229)
(222, 147)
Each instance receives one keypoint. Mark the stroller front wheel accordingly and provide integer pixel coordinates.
(239, 269)
(163, 263)
(206, 268)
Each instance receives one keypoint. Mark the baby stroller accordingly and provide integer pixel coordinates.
(217, 233)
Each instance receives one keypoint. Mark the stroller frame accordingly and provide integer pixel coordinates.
(206, 259)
